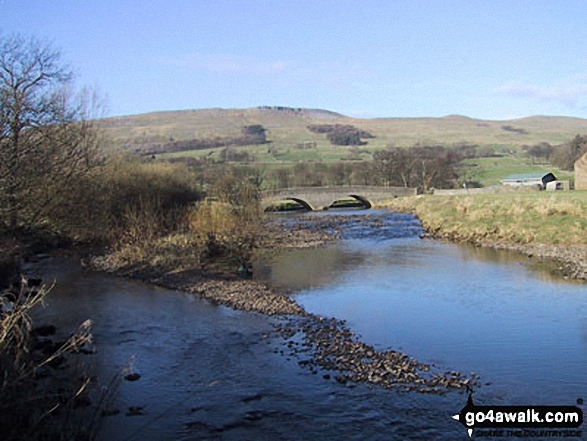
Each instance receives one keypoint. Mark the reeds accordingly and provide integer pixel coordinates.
(35, 404)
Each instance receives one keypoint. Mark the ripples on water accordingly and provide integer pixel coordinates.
(210, 373)
(467, 308)
(353, 224)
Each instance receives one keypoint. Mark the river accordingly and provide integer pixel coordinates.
(208, 372)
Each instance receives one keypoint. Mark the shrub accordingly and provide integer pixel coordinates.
(223, 232)
(339, 134)
(127, 200)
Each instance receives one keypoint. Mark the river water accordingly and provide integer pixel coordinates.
(208, 372)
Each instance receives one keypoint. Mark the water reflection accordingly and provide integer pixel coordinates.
(471, 309)
(296, 269)
(544, 269)
(208, 373)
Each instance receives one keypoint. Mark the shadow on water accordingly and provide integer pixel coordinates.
(208, 372)
(469, 309)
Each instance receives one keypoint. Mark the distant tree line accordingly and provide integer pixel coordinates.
(281, 108)
(424, 166)
(251, 135)
(562, 156)
(421, 166)
(418, 166)
(514, 130)
(340, 134)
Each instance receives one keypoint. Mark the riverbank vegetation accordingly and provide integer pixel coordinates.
(175, 228)
(47, 148)
(39, 391)
(511, 217)
(159, 216)
(58, 188)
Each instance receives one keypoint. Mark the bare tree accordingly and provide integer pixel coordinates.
(395, 166)
(419, 166)
(434, 166)
(45, 138)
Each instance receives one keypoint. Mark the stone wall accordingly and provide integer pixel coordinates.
(486, 190)
(581, 173)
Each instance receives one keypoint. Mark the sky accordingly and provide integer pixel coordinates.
(487, 59)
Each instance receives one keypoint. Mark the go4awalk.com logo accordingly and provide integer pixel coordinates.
(521, 421)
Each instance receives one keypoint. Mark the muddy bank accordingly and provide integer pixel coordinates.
(571, 260)
(319, 343)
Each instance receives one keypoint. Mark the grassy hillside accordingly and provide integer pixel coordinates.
(290, 140)
(288, 128)
(283, 126)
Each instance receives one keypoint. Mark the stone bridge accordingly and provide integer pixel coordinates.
(317, 198)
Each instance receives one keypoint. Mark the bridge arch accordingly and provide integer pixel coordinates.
(322, 197)
(363, 199)
(305, 204)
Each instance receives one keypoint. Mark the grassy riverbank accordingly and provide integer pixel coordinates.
(516, 218)
(538, 224)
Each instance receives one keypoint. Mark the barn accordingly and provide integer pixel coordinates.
(530, 179)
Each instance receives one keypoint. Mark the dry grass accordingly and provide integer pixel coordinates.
(35, 404)
(127, 200)
(535, 217)
(226, 229)
(218, 233)
(173, 252)
(288, 129)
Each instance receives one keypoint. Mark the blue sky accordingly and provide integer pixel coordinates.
(492, 59)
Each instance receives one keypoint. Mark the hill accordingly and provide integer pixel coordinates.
(210, 123)
(290, 140)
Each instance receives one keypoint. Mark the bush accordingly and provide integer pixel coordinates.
(127, 200)
(339, 134)
(224, 231)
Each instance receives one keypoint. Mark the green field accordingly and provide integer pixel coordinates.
(323, 151)
(489, 171)
(290, 141)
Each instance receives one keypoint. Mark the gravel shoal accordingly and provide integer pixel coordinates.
(320, 344)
